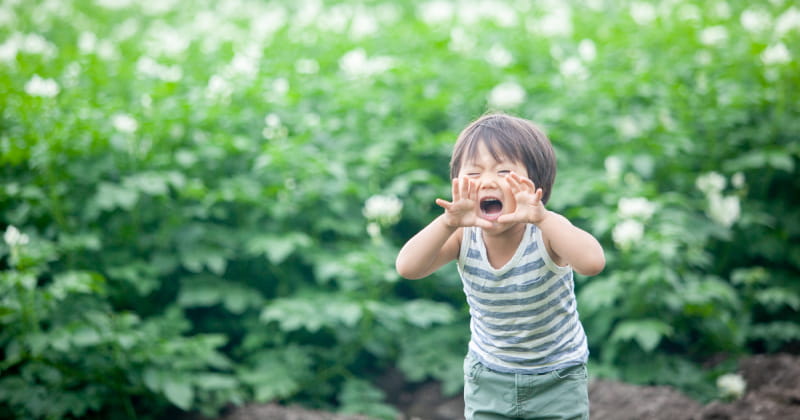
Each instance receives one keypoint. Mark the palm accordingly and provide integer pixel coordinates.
(462, 210)
(529, 206)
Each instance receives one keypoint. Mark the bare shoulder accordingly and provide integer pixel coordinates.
(547, 237)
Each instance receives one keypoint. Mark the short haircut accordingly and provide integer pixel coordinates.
(512, 138)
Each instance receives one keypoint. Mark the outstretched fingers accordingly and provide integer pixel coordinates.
(443, 204)
(521, 183)
(455, 190)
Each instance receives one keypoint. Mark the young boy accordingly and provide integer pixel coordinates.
(527, 352)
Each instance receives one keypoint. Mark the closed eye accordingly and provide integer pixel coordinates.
(473, 174)
(504, 172)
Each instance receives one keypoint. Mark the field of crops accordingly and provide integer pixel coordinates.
(202, 200)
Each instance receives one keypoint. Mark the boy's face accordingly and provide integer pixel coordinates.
(494, 195)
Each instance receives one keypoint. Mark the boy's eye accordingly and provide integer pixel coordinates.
(504, 172)
(473, 174)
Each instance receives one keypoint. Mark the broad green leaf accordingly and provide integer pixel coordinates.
(646, 332)
(276, 373)
(215, 381)
(113, 196)
(85, 337)
(277, 248)
(423, 313)
(774, 298)
(313, 312)
(599, 293)
(179, 392)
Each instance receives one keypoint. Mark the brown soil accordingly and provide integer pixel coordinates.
(773, 393)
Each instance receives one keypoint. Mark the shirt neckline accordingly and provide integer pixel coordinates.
(511, 263)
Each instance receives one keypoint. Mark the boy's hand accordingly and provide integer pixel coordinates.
(463, 210)
(529, 206)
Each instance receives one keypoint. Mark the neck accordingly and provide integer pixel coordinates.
(501, 246)
(509, 237)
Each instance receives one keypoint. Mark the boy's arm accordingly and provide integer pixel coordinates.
(569, 244)
(440, 241)
(428, 250)
(566, 243)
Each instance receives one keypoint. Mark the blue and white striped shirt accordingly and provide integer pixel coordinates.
(524, 316)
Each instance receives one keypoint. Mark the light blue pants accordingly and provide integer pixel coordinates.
(558, 395)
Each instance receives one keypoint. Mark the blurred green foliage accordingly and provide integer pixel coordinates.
(202, 201)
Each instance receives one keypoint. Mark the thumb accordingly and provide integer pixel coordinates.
(507, 218)
(443, 204)
(484, 223)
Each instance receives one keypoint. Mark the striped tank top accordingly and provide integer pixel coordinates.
(524, 316)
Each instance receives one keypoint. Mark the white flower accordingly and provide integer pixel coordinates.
(461, 41)
(167, 41)
(124, 123)
(587, 50)
(272, 120)
(218, 88)
(356, 64)
(373, 230)
(280, 86)
(636, 207)
(713, 35)
(383, 209)
(614, 167)
(14, 237)
(114, 4)
(45, 88)
(148, 67)
(627, 127)
(245, 64)
(8, 50)
(306, 66)
(689, 12)
(776, 54)
(266, 22)
(159, 7)
(107, 50)
(722, 10)
(36, 44)
(643, 13)
(501, 13)
(737, 180)
(498, 56)
(7, 17)
(573, 68)
(789, 20)
(87, 42)
(557, 23)
(755, 20)
(731, 385)
(506, 95)
(627, 233)
(724, 210)
(711, 183)
(362, 25)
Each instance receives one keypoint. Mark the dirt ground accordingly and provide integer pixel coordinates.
(773, 393)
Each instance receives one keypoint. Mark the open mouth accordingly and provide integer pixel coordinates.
(491, 207)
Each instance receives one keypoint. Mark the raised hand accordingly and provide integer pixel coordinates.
(528, 198)
(463, 210)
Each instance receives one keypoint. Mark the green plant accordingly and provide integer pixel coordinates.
(213, 194)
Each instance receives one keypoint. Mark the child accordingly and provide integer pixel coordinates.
(527, 352)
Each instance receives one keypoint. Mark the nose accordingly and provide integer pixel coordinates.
(489, 180)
